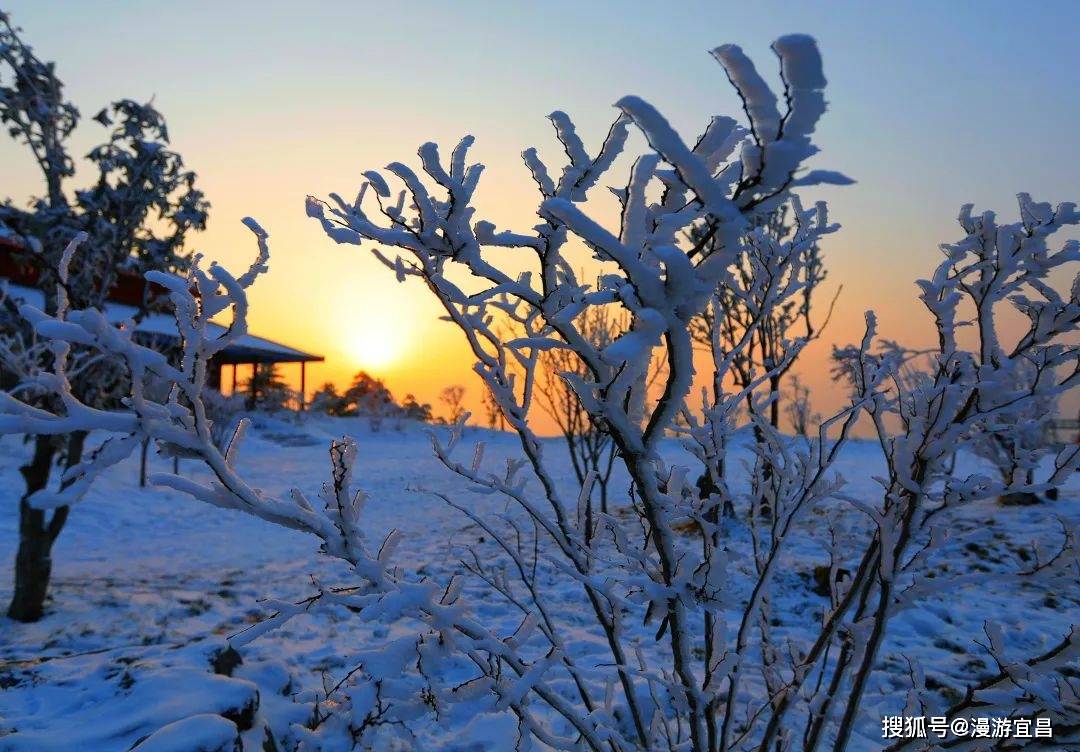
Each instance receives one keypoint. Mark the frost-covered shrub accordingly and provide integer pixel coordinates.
(590, 448)
(987, 391)
(764, 279)
(222, 412)
(693, 656)
(799, 410)
(1021, 437)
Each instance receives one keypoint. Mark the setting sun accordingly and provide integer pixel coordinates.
(377, 347)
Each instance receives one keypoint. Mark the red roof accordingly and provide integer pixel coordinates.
(16, 267)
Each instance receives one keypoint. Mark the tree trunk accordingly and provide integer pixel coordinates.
(142, 462)
(774, 408)
(33, 566)
(33, 561)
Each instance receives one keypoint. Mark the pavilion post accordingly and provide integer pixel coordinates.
(303, 384)
(253, 389)
(234, 367)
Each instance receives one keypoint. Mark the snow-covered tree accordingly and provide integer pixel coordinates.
(135, 215)
(700, 681)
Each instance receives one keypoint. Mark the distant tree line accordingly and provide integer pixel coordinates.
(368, 396)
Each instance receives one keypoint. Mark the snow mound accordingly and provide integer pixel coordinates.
(205, 732)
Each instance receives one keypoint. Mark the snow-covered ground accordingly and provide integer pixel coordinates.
(149, 584)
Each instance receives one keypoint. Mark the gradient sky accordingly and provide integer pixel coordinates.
(932, 105)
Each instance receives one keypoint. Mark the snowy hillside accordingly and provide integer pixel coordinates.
(142, 576)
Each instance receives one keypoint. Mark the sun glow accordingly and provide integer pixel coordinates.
(377, 348)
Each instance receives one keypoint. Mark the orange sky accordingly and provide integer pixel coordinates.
(269, 103)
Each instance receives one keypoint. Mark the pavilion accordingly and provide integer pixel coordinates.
(127, 297)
